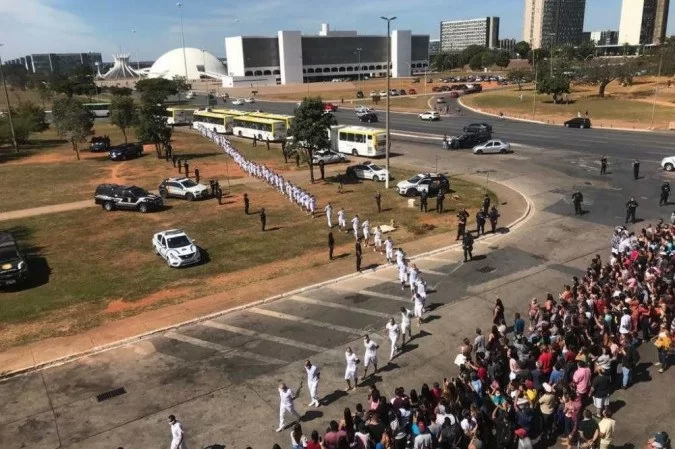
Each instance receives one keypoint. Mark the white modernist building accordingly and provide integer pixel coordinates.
(290, 57)
(197, 63)
(643, 22)
(456, 35)
(121, 69)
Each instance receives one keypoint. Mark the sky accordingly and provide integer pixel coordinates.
(148, 28)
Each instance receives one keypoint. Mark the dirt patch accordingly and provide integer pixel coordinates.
(120, 305)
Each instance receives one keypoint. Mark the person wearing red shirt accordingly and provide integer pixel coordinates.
(546, 360)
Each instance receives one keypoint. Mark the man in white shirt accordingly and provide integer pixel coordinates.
(356, 224)
(406, 325)
(419, 298)
(177, 434)
(286, 398)
(342, 222)
(394, 332)
(350, 370)
(389, 249)
(624, 325)
(313, 375)
(329, 212)
(366, 231)
(370, 357)
(402, 276)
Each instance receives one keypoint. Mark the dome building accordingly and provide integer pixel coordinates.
(199, 63)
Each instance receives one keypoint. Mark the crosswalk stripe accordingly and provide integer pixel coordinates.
(372, 293)
(225, 350)
(437, 259)
(262, 336)
(297, 319)
(436, 273)
(334, 305)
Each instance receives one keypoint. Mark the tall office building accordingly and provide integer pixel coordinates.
(58, 62)
(607, 37)
(456, 35)
(643, 22)
(553, 22)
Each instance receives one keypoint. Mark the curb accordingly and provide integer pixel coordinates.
(99, 349)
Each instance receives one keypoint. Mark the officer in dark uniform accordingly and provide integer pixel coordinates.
(167, 152)
(631, 207)
(197, 175)
(577, 199)
(439, 201)
(322, 169)
(665, 193)
(173, 159)
(219, 194)
(467, 246)
(486, 203)
(603, 165)
(378, 201)
(331, 245)
(636, 169)
(297, 159)
(186, 164)
(424, 199)
(493, 215)
(263, 218)
(480, 222)
(359, 253)
(462, 216)
(255, 141)
(246, 203)
(180, 165)
(212, 185)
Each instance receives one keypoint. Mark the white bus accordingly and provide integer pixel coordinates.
(222, 124)
(260, 128)
(179, 116)
(358, 140)
(98, 109)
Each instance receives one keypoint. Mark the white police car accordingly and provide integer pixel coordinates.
(177, 249)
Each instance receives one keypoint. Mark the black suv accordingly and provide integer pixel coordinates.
(469, 140)
(114, 196)
(475, 127)
(578, 122)
(99, 144)
(13, 266)
(126, 151)
(369, 117)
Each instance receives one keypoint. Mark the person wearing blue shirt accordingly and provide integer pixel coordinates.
(518, 325)
(556, 374)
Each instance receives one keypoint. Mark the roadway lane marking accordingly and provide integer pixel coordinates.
(438, 259)
(225, 350)
(373, 294)
(297, 319)
(435, 273)
(262, 336)
(334, 305)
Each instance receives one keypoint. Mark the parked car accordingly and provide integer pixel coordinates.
(492, 146)
(402, 92)
(468, 140)
(475, 127)
(436, 89)
(238, 101)
(327, 157)
(383, 93)
(454, 94)
(249, 100)
(412, 92)
(440, 100)
(578, 122)
(182, 188)
(99, 144)
(176, 248)
(668, 163)
(432, 183)
(415, 80)
(430, 115)
(373, 93)
(367, 170)
(393, 92)
(13, 265)
(125, 151)
(329, 107)
(115, 196)
(369, 117)
(359, 94)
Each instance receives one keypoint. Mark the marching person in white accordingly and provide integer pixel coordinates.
(406, 325)
(342, 222)
(366, 231)
(312, 205)
(402, 276)
(350, 370)
(378, 239)
(389, 249)
(313, 375)
(400, 257)
(177, 434)
(394, 332)
(286, 399)
(356, 224)
(329, 212)
(370, 357)
(419, 297)
(412, 276)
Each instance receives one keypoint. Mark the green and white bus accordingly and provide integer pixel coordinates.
(220, 123)
(179, 116)
(260, 128)
(98, 109)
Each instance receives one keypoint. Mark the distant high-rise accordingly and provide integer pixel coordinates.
(57, 62)
(553, 22)
(607, 37)
(456, 35)
(643, 22)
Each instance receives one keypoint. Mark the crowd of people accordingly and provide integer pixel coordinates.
(543, 376)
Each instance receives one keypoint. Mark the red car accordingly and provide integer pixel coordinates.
(436, 89)
(329, 107)
(454, 94)
(412, 92)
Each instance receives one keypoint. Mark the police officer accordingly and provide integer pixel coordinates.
(493, 215)
(636, 169)
(486, 203)
(219, 193)
(359, 253)
(173, 159)
(665, 193)
(462, 216)
(467, 246)
(424, 198)
(246, 203)
(577, 199)
(439, 201)
(603, 165)
(197, 175)
(255, 141)
(263, 218)
(167, 152)
(322, 169)
(186, 164)
(480, 222)
(212, 185)
(378, 201)
(297, 159)
(631, 207)
(180, 165)
(331, 245)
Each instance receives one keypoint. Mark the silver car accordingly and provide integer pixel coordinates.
(327, 157)
(492, 146)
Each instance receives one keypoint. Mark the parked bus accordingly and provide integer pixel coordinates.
(179, 116)
(287, 119)
(229, 112)
(98, 109)
(260, 128)
(222, 124)
(358, 140)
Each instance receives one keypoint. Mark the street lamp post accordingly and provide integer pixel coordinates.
(9, 108)
(534, 93)
(388, 145)
(138, 63)
(179, 5)
(656, 89)
(358, 59)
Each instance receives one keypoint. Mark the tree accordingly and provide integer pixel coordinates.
(585, 50)
(502, 58)
(476, 62)
(181, 84)
(151, 125)
(72, 121)
(120, 91)
(601, 72)
(554, 86)
(442, 62)
(156, 90)
(520, 76)
(309, 129)
(123, 113)
(469, 52)
(538, 54)
(16, 76)
(522, 49)
(28, 118)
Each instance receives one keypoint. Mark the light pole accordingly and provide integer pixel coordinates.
(388, 145)
(138, 63)
(550, 56)
(9, 109)
(358, 58)
(656, 88)
(534, 93)
(179, 5)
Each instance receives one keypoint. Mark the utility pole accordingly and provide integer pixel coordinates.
(9, 108)
(534, 93)
(182, 37)
(388, 144)
(358, 58)
(656, 89)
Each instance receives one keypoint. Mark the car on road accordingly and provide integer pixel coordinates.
(431, 183)
(436, 89)
(454, 94)
(367, 170)
(475, 127)
(177, 249)
(13, 265)
(440, 100)
(412, 92)
(492, 147)
(468, 140)
(238, 101)
(125, 151)
(668, 163)
(430, 116)
(369, 117)
(190, 95)
(360, 110)
(182, 188)
(328, 157)
(578, 122)
(249, 100)
(115, 196)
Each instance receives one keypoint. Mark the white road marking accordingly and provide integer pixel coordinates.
(437, 259)
(297, 319)
(334, 305)
(225, 350)
(460, 265)
(436, 273)
(262, 336)
(372, 293)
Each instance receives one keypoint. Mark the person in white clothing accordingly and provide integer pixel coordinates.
(400, 257)
(350, 371)
(356, 224)
(412, 276)
(389, 249)
(418, 298)
(406, 325)
(177, 434)
(394, 332)
(286, 398)
(370, 357)
(329, 212)
(402, 276)
(313, 375)
(342, 222)
(366, 231)
(377, 239)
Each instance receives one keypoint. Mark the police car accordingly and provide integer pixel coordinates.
(176, 248)
(182, 188)
(367, 170)
(423, 182)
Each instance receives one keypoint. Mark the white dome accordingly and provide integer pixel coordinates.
(172, 63)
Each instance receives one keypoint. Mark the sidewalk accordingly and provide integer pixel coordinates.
(513, 209)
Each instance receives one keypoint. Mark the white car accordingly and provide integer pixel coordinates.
(238, 101)
(182, 188)
(430, 115)
(361, 110)
(327, 157)
(668, 163)
(190, 95)
(176, 248)
(367, 170)
(431, 183)
(492, 146)
(383, 93)
(249, 100)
